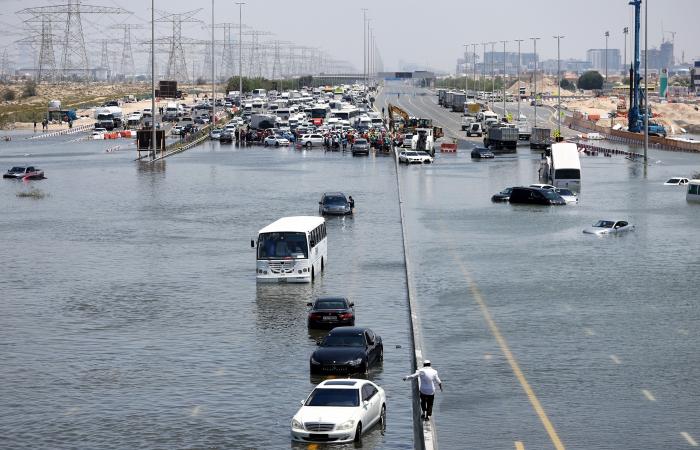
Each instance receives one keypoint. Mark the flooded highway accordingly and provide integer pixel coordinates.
(131, 317)
(545, 337)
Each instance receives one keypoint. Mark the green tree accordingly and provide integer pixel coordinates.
(590, 80)
(568, 85)
(29, 89)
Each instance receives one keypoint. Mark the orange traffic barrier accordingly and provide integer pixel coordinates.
(448, 148)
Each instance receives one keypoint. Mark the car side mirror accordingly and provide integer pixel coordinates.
(309, 304)
(352, 305)
(365, 403)
(252, 243)
(320, 203)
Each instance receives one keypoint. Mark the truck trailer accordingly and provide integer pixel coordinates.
(501, 137)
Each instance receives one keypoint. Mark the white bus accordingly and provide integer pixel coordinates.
(292, 249)
(564, 166)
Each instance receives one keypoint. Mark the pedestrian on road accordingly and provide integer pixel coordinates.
(351, 201)
(35, 126)
(427, 378)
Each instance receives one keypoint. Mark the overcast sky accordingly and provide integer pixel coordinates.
(429, 33)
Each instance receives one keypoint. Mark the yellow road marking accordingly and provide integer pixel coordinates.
(519, 445)
(615, 359)
(649, 395)
(534, 401)
(689, 438)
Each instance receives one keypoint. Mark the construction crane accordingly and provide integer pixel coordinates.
(637, 112)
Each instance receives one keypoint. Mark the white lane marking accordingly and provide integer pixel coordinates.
(219, 372)
(195, 411)
(72, 410)
(615, 359)
(589, 332)
(689, 439)
(649, 395)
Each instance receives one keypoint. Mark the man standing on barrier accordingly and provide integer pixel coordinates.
(427, 378)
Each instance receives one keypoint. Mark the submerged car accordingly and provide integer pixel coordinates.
(276, 141)
(347, 350)
(29, 173)
(334, 203)
(568, 195)
(502, 196)
(340, 410)
(602, 227)
(331, 312)
(414, 157)
(676, 181)
(482, 153)
(543, 186)
(535, 196)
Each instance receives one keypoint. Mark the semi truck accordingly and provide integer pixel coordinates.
(501, 137)
(458, 100)
(540, 138)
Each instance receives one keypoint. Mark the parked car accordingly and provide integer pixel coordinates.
(276, 141)
(475, 129)
(226, 137)
(331, 311)
(215, 133)
(347, 350)
(414, 157)
(568, 195)
(360, 146)
(176, 130)
(676, 181)
(309, 140)
(535, 196)
(548, 187)
(603, 227)
(502, 196)
(339, 410)
(334, 203)
(482, 153)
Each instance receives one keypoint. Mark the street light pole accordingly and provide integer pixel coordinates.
(213, 73)
(240, 54)
(518, 76)
(493, 73)
(607, 35)
(503, 79)
(646, 85)
(474, 69)
(364, 42)
(558, 38)
(483, 68)
(534, 41)
(625, 31)
(153, 79)
(466, 84)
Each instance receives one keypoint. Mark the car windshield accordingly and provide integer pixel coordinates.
(565, 192)
(673, 180)
(360, 141)
(334, 397)
(354, 340)
(17, 169)
(335, 200)
(604, 224)
(330, 303)
(283, 245)
(507, 191)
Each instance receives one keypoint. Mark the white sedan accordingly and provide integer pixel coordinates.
(414, 157)
(603, 227)
(275, 141)
(676, 181)
(568, 195)
(339, 410)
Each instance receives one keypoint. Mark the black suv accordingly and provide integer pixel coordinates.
(535, 196)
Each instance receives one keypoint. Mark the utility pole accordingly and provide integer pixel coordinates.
(646, 85)
(518, 76)
(213, 72)
(558, 38)
(483, 68)
(503, 79)
(625, 32)
(534, 41)
(364, 43)
(466, 84)
(493, 73)
(607, 35)
(240, 54)
(153, 79)
(474, 68)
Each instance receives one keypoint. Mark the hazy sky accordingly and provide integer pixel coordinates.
(430, 33)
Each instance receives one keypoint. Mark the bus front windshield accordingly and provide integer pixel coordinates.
(282, 245)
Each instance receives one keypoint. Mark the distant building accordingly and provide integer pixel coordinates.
(576, 66)
(659, 58)
(527, 62)
(695, 77)
(596, 57)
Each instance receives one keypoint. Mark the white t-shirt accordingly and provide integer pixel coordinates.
(427, 380)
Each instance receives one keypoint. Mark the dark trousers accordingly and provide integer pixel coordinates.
(426, 403)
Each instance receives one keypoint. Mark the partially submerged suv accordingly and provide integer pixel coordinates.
(535, 196)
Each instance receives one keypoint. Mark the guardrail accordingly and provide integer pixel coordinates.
(78, 129)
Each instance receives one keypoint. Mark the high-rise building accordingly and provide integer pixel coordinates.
(596, 56)
(695, 77)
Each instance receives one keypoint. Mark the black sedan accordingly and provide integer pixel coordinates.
(347, 350)
(331, 312)
(502, 196)
(482, 153)
(334, 203)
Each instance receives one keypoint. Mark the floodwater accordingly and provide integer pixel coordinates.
(520, 308)
(131, 317)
